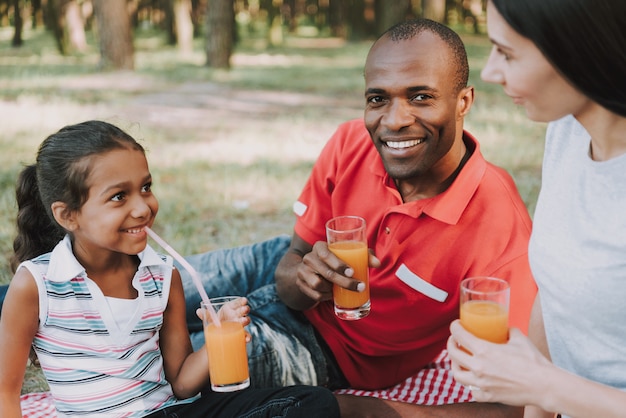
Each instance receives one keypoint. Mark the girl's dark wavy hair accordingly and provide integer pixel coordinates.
(63, 164)
(584, 39)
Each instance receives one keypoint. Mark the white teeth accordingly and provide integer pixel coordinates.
(134, 231)
(404, 144)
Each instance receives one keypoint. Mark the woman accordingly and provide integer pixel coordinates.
(564, 61)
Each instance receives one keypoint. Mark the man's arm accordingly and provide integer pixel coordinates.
(364, 407)
(287, 275)
(306, 274)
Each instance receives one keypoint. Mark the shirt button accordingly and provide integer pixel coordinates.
(387, 230)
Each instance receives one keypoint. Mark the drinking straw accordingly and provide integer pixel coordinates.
(192, 272)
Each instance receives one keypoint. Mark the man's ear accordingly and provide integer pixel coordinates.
(64, 216)
(466, 99)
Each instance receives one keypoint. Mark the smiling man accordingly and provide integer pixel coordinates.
(436, 213)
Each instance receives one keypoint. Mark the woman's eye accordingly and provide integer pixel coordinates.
(118, 197)
(146, 188)
(503, 54)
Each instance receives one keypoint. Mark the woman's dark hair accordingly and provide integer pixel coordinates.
(59, 175)
(584, 39)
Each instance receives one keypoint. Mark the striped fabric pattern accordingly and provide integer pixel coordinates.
(94, 367)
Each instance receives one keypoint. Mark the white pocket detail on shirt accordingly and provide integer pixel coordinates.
(299, 208)
(416, 282)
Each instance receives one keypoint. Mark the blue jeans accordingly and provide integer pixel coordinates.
(284, 350)
(290, 402)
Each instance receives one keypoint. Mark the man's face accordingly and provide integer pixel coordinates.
(413, 111)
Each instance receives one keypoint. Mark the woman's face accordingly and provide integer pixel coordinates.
(526, 75)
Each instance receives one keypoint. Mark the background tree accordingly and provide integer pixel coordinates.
(388, 13)
(115, 35)
(64, 18)
(434, 10)
(18, 22)
(181, 20)
(183, 25)
(220, 26)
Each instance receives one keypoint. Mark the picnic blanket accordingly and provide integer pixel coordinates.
(38, 405)
(433, 385)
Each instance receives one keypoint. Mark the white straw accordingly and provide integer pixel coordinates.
(192, 272)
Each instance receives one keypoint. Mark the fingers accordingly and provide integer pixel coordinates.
(373, 260)
(200, 313)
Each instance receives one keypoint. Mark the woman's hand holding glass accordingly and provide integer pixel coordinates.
(511, 373)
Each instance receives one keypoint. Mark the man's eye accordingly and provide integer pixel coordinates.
(146, 188)
(375, 100)
(420, 97)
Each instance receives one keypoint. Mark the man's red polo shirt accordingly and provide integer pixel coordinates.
(479, 226)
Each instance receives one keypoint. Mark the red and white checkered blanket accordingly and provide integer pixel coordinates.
(433, 385)
(38, 405)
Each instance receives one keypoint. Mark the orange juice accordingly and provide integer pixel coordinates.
(486, 320)
(354, 254)
(226, 347)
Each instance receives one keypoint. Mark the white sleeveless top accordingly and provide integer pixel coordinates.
(94, 366)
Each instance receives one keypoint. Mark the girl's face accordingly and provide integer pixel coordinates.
(526, 75)
(119, 206)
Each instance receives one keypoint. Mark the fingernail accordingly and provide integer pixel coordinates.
(348, 272)
(360, 287)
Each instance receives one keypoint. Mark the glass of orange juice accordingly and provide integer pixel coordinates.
(347, 239)
(485, 308)
(226, 346)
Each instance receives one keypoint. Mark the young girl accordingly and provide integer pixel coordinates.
(564, 61)
(104, 313)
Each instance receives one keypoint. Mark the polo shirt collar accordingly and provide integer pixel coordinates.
(448, 206)
(64, 266)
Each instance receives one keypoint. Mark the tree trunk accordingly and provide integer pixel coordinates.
(55, 21)
(434, 10)
(115, 36)
(220, 24)
(355, 13)
(336, 19)
(183, 25)
(274, 22)
(37, 14)
(19, 24)
(388, 13)
(75, 25)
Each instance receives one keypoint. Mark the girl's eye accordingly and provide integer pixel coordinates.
(146, 188)
(118, 197)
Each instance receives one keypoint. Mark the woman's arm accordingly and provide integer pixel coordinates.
(18, 326)
(517, 373)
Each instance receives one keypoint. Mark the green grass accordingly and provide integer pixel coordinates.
(229, 150)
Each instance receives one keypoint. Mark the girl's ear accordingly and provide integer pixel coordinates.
(64, 216)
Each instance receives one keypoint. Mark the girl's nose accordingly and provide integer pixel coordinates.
(141, 208)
